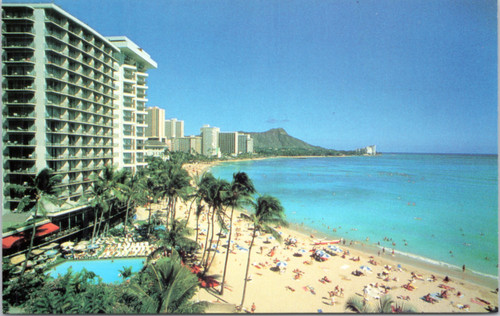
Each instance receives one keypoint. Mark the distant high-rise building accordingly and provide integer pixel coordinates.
(174, 128)
(245, 144)
(228, 143)
(210, 141)
(190, 144)
(155, 119)
(130, 113)
(58, 79)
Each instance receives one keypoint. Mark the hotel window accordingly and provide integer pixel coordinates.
(127, 144)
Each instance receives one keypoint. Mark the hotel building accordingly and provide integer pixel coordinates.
(155, 121)
(245, 144)
(228, 143)
(190, 144)
(174, 128)
(58, 78)
(72, 101)
(130, 112)
(210, 141)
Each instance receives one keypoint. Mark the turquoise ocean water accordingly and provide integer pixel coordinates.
(441, 209)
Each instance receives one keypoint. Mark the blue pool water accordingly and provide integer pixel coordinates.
(434, 203)
(107, 269)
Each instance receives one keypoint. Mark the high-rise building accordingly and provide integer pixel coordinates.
(58, 80)
(155, 119)
(130, 112)
(245, 144)
(228, 143)
(174, 128)
(190, 144)
(210, 141)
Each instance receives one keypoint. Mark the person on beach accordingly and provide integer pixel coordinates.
(463, 268)
(253, 308)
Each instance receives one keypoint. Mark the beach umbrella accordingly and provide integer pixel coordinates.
(281, 264)
(18, 259)
(320, 253)
(325, 256)
(84, 242)
(37, 252)
(67, 244)
(51, 253)
(80, 247)
(301, 251)
(366, 268)
(334, 248)
(292, 240)
(50, 246)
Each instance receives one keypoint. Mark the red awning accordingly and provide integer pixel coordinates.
(46, 229)
(8, 242)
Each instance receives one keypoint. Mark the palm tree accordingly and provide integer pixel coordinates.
(218, 193)
(268, 210)
(242, 189)
(167, 287)
(207, 181)
(131, 193)
(103, 192)
(126, 272)
(385, 305)
(45, 191)
(175, 181)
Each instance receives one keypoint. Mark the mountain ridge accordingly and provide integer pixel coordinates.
(278, 141)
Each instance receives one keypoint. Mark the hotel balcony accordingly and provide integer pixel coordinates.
(16, 44)
(31, 170)
(18, 58)
(15, 14)
(58, 21)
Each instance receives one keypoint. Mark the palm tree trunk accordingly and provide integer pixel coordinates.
(211, 238)
(197, 228)
(33, 232)
(206, 237)
(168, 210)
(149, 218)
(126, 216)
(189, 212)
(216, 248)
(174, 205)
(94, 228)
(248, 266)
(227, 251)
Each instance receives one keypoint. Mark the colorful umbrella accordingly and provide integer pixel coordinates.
(51, 253)
(17, 259)
(281, 264)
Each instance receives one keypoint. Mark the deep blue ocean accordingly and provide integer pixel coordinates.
(441, 209)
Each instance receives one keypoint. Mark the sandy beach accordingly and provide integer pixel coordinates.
(306, 285)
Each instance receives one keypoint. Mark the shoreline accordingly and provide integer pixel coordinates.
(415, 260)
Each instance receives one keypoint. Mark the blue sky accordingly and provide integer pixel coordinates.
(406, 75)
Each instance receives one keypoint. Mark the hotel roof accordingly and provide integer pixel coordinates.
(61, 11)
(127, 46)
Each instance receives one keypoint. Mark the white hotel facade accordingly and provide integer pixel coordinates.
(130, 111)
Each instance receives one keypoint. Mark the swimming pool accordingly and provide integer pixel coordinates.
(107, 269)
